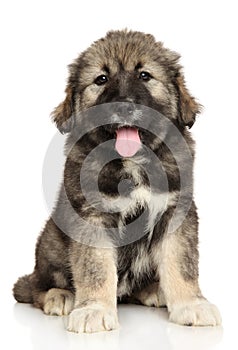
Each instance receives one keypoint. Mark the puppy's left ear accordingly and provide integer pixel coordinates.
(187, 105)
(63, 114)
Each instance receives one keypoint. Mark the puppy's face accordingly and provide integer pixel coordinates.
(130, 68)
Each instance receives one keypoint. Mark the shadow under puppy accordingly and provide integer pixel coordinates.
(127, 113)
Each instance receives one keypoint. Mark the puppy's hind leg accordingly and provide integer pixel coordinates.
(49, 286)
(22, 289)
(55, 302)
(151, 295)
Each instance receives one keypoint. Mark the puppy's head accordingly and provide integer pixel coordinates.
(129, 67)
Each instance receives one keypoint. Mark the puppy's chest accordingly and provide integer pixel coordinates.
(134, 198)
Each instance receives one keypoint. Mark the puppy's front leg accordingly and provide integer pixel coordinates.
(178, 270)
(95, 281)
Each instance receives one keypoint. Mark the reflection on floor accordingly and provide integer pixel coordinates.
(141, 328)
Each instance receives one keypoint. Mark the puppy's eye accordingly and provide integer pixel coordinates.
(145, 76)
(101, 79)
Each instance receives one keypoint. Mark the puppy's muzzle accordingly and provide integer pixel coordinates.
(124, 109)
(125, 113)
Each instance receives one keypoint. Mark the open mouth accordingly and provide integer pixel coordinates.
(128, 141)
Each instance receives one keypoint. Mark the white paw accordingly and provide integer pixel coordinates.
(58, 302)
(92, 318)
(197, 313)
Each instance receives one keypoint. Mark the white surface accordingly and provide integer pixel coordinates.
(38, 40)
(141, 328)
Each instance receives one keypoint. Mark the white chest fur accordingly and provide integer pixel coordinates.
(139, 198)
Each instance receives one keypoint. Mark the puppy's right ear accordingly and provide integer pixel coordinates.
(63, 114)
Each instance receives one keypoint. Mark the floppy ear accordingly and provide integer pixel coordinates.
(188, 107)
(63, 114)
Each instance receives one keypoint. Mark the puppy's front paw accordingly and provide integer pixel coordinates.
(92, 318)
(197, 313)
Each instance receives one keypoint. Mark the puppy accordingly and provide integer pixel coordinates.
(125, 225)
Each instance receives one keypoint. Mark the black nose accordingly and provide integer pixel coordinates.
(124, 109)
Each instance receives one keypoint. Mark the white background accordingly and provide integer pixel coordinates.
(38, 40)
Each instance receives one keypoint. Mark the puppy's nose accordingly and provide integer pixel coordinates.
(124, 109)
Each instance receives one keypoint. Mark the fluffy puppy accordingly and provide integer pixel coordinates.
(125, 224)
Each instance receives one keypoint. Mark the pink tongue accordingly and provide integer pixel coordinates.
(127, 142)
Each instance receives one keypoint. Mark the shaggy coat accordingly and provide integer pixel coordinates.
(93, 253)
